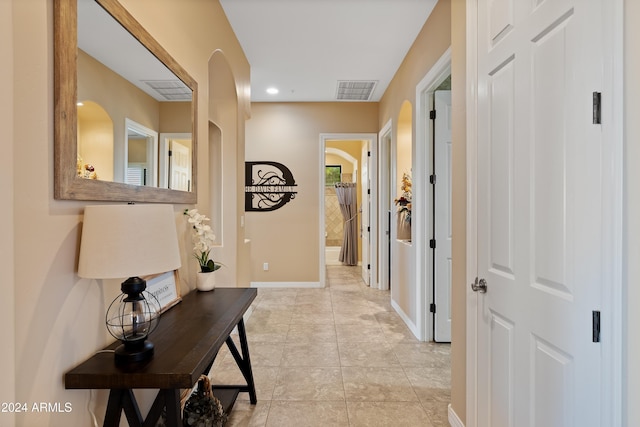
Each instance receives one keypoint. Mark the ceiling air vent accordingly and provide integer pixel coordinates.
(171, 90)
(355, 90)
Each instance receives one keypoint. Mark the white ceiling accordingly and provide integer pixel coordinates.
(304, 47)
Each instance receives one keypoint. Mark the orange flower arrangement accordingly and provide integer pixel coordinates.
(404, 201)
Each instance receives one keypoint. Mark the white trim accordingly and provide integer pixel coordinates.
(454, 419)
(422, 193)
(321, 222)
(373, 213)
(372, 138)
(152, 149)
(304, 285)
(472, 212)
(613, 395)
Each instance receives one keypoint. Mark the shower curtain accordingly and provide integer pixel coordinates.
(347, 197)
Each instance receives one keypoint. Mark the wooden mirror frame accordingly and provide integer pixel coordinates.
(67, 185)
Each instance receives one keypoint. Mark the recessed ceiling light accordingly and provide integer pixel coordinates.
(272, 91)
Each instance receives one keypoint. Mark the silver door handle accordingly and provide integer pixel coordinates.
(479, 286)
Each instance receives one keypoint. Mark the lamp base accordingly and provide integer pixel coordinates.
(125, 355)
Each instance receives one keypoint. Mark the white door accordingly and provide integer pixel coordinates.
(539, 207)
(180, 166)
(442, 218)
(365, 220)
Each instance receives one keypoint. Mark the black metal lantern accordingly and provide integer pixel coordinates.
(131, 317)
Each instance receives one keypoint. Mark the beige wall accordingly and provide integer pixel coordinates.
(431, 43)
(459, 210)
(96, 140)
(119, 97)
(7, 170)
(289, 133)
(59, 317)
(445, 26)
(175, 117)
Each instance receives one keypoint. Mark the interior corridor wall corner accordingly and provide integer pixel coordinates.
(431, 43)
(222, 201)
(7, 173)
(459, 209)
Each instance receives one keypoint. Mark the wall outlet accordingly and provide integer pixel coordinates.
(265, 266)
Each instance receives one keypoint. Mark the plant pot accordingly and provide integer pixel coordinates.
(404, 228)
(206, 281)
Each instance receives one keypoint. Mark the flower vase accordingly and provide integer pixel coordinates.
(206, 281)
(404, 227)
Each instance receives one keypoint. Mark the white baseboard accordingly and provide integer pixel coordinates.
(407, 320)
(454, 420)
(303, 285)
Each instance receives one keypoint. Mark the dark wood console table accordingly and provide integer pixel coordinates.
(186, 342)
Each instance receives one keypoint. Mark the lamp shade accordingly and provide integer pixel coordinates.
(120, 241)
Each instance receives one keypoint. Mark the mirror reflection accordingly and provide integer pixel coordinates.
(127, 99)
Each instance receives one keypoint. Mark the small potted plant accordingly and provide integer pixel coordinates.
(203, 240)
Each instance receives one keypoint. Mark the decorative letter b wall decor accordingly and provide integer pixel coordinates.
(268, 186)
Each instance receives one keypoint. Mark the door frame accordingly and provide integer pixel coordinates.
(372, 140)
(613, 250)
(151, 149)
(387, 170)
(423, 193)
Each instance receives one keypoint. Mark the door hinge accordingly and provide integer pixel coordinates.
(432, 179)
(368, 191)
(368, 153)
(368, 266)
(432, 114)
(432, 308)
(597, 108)
(595, 325)
(170, 153)
(368, 229)
(432, 243)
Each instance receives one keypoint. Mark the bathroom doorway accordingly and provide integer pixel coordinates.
(347, 158)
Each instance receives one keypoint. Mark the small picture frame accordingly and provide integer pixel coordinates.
(166, 288)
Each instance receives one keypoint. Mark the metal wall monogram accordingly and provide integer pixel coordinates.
(268, 186)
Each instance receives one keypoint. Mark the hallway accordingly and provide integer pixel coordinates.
(338, 356)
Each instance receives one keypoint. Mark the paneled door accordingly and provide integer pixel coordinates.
(442, 151)
(539, 212)
(180, 166)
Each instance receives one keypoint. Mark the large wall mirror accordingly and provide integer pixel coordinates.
(125, 110)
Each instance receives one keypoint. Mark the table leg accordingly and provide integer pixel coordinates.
(243, 361)
(172, 403)
(167, 400)
(119, 400)
(114, 409)
(248, 373)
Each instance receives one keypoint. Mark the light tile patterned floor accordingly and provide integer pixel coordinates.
(338, 356)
